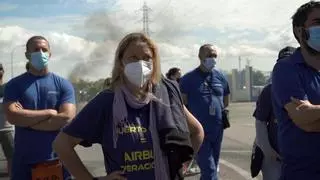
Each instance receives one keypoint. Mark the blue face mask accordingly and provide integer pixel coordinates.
(209, 63)
(314, 38)
(39, 60)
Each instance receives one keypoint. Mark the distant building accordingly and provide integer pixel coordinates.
(242, 89)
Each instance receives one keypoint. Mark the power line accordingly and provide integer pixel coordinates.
(146, 16)
(145, 10)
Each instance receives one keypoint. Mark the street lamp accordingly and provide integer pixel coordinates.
(12, 58)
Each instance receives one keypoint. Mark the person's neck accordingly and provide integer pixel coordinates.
(203, 69)
(312, 60)
(36, 72)
(1, 81)
(136, 92)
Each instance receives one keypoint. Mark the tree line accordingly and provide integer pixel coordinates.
(86, 90)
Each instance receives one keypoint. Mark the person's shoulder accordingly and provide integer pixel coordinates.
(171, 85)
(220, 74)
(267, 87)
(103, 100)
(285, 66)
(167, 80)
(105, 95)
(61, 81)
(289, 61)
(58, 77)
(266, 91)
(17, 80)
(218, 71)
(189, 74)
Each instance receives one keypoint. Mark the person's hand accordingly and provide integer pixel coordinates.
(301, 112)
(302, 105)
(18, 105)
(116, 175)
(52, 112)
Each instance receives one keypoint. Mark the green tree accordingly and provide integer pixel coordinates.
(258, 78)
(86, 90)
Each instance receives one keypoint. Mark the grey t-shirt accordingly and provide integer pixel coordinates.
(4, 124)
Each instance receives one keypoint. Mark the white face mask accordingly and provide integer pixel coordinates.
(138, 73)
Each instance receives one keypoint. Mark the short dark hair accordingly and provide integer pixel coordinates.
(172, 71)
(34, 38)
(302, 13)
(27, 66)
(203, 47)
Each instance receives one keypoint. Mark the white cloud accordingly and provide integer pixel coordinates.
(67, 50)
(253, 29)
(65, 23)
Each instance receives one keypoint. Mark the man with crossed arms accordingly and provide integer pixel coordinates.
(39, 103)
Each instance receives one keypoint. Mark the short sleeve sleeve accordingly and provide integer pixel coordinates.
(89, 123)
(264, 105)
(11, 92)
(286, 83)
(68, 94)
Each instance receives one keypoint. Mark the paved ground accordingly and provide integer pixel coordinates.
(235, 155)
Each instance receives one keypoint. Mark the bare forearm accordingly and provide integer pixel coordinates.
(70, 159)
(74, 164)
(196, 140)
(311, 127)
(55, 123)
(306, 119)
(26, 118)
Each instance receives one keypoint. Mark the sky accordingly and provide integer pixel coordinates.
(84, 34)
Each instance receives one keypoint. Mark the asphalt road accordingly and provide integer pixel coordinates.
(235, 154)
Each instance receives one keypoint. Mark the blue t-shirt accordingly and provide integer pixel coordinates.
(264, 112)
(292, 77)
(134, 152)
(37, 93)
(205, 91)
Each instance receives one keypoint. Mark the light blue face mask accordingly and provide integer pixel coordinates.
(314, 38)
(39, 60)
(209, 63)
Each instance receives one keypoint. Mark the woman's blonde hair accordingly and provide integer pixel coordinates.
(118, 68)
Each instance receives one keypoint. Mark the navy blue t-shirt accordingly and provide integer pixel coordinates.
(204, 90)
(292, 77)
(264, 112)
(134, 152)
(36, 93)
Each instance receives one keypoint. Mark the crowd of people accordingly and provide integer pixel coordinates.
(151, 125)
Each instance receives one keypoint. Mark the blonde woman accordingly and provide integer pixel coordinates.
(135, 126)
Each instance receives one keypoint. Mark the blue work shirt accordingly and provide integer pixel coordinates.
(35, 93)
(205, 90)
(292, 77)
